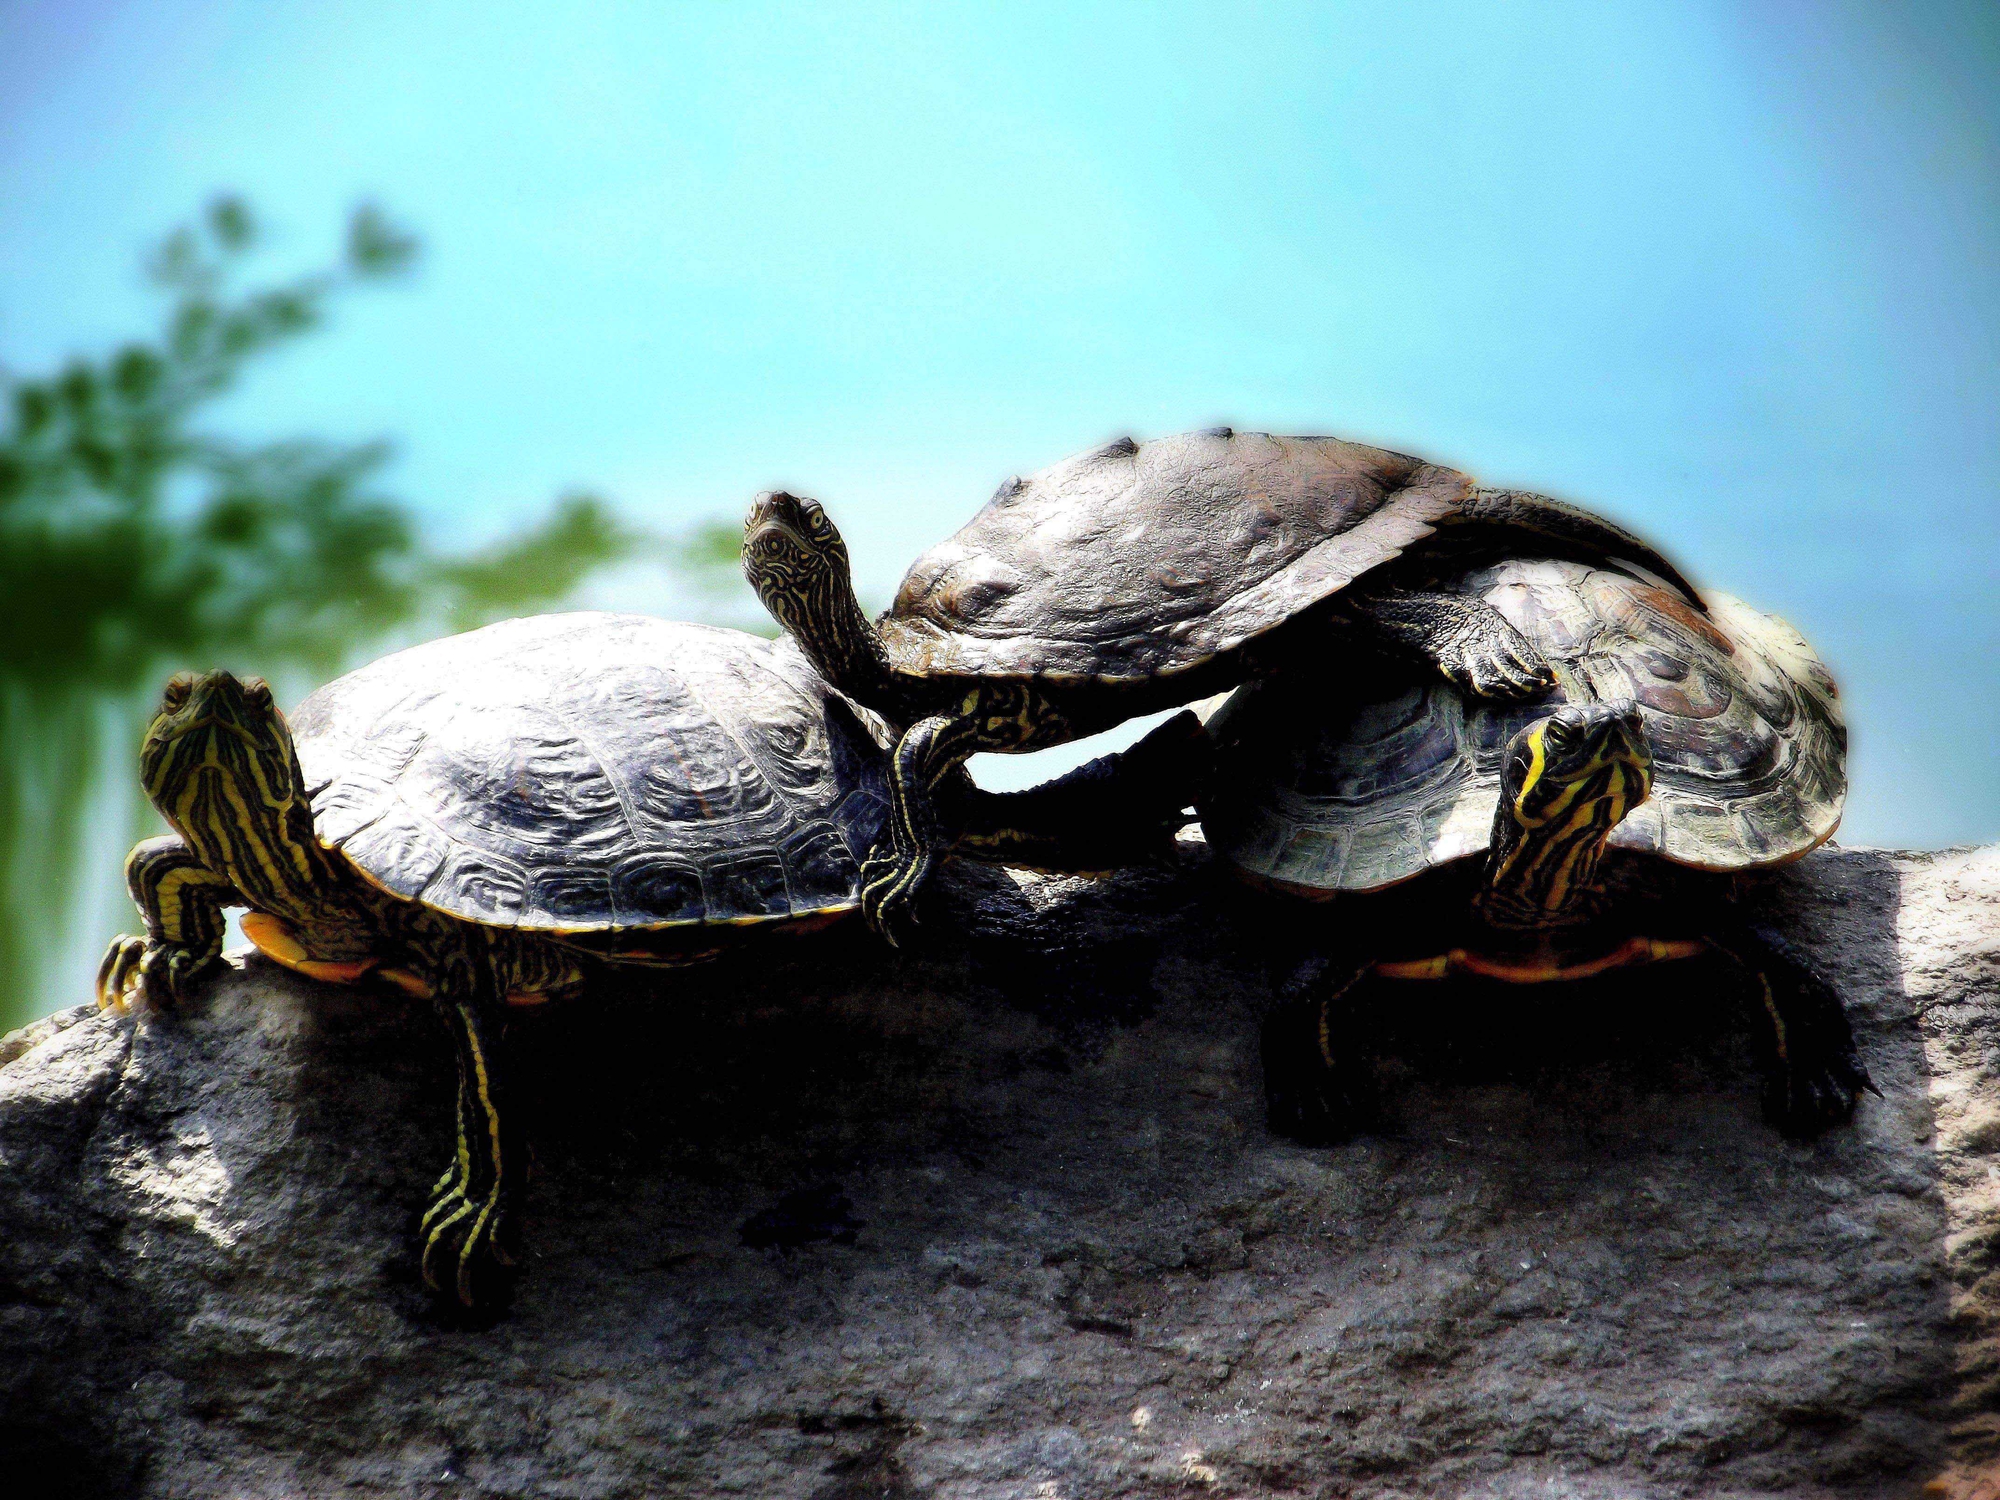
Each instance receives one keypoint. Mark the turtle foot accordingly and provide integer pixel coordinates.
(1467, 640)
(890, 881)
(1307, 1097)
(469, 1244)
(1495, 661)
(139, 974)
(1805, 1095)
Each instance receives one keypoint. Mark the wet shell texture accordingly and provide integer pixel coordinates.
(1357, 792)
(586, 772)
(1145, 559)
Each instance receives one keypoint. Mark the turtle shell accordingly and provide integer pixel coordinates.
(1366, 789)
(1144, 559)
(583, 772)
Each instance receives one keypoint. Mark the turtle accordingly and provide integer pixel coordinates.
(1610, 824)
(483, 819)
(1140, 576)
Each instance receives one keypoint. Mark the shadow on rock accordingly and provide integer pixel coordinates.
(1065, 1256)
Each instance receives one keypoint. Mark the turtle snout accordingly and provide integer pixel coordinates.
(1621, 741)
(784, 510)
(786, 529)
(762, 509)
(1624, 726)
(202, 695)
(192, 699)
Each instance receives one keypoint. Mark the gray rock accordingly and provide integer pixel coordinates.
(1579, 1265)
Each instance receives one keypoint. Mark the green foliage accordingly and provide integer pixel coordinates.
(708, 557)
(711, 554)
(133, 542)
(128, 538)
(544, 564)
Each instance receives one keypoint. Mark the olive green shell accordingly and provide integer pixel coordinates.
(583, 772)
(1144, 559)
(1357, 791)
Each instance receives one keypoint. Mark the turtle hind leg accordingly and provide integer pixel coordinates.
(1317, 1089)
(181, 899)
(1467, 641)
(1813, 1075)
(469, 1231)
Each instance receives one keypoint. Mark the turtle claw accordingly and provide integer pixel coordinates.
(1499, 662)
(1469, 642)
(468, 1241)
(115, 973)
(889, 885)
(1804, 1096)
(1306, 1098)
(140, 974)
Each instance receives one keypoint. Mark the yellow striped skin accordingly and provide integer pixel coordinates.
(1539, 916)
(794, 557)
(219, 764)
(999, 716)
(1571, 778)
(182, 900)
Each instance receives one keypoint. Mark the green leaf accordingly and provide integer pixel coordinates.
(375, 246)
(177, 261)
(230, 222)
(136, 372)
(538, 567)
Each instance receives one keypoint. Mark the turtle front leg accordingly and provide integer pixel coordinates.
(1317, 1090)
(1813, 1076)
(1002, 717)
(470, 1229)
(900, 862)
(1467, 641)
(181, 900)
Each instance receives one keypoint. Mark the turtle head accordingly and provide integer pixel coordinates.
(795, 559)
(219, 764)
(1568, 780)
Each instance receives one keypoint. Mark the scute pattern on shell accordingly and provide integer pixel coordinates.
(1144, 559)
(1748, 744)
(591, 771)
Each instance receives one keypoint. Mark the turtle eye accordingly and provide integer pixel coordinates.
(178, 687)
(257, 692)
(817, 524)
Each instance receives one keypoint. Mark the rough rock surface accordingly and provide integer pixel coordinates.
(1578, 1265)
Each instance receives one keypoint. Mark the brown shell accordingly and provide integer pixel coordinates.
(1354, 792)
(583, 772)
(1144, 559)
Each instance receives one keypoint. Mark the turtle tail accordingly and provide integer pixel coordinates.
(1572, 529)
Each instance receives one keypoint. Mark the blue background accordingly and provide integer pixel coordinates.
(1725, 271)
